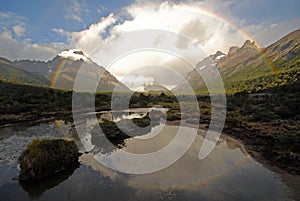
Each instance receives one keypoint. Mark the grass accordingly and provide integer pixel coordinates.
(43, 158)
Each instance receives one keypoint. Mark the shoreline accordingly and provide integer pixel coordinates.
(34, 119)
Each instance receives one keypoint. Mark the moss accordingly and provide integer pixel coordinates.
(46, 157)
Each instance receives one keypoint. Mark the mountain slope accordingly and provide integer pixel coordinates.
(61, 71)
(248, 68)
(65, 66)
(9, 73)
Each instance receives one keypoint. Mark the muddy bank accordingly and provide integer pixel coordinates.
(28, 119)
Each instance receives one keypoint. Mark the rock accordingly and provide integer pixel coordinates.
(43, 158)
(233, 50)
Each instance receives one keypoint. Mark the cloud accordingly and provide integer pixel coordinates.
(266, 34)
(11, 17)
(136, 82)
(75, 10)
(200, 25)
(147, 67)
(100, 9)
(13, 49)
(88, 39)
(19, 30)
(12, 22)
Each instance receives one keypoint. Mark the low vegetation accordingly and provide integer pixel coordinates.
(43, 158)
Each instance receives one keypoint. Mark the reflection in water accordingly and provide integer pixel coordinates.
(118, 116)
(36, 188)
(135, 113)
(228, 170)
(117, 126)
(189, 169)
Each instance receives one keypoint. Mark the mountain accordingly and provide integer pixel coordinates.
(249, 68)
(9, 73)
(61, 71)
(155, 88)
(285, 47)
(64, 67)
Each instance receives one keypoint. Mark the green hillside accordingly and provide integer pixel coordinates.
(262, 71)
(11, 74)
(254, 78)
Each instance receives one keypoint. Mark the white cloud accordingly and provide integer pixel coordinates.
(13, 22)
(88, 39)
(266, 34)
(76, 9)
(136, 82)
(13, 49)
(19, 30)
(60, 31)
(100, 9)
(190, 19)
(6, 15)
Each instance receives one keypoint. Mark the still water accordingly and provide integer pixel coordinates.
(228, 173)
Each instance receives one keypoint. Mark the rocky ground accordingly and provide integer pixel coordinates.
(15, 139)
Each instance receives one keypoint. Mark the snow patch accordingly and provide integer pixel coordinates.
(202, 67)
(74, 54)
(220, 57)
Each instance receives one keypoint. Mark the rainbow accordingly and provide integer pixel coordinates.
(57, 72)
(242, 32)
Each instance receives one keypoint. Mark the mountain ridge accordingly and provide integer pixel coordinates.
(242, 68)
(60, 72)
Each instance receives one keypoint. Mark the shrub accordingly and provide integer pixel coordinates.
(46, 157)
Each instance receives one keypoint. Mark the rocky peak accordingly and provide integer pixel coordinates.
(233, 50)
(249, 44)
(80, 52)
(218, 55)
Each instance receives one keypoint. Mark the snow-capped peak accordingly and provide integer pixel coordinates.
(74, 54)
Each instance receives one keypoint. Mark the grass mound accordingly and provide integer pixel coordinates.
(43, 158)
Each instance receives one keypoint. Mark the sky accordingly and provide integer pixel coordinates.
(39, 29)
